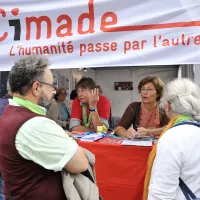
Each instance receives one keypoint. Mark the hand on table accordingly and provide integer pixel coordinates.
(130, 133)
(142, 132)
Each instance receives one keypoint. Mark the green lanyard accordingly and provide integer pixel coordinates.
(86, 121)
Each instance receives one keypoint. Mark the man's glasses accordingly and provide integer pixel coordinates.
(52, 86)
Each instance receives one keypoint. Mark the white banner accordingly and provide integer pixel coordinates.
(96, 33)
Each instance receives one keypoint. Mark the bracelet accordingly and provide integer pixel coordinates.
(93, 109)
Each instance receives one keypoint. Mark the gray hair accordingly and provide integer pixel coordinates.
(25, 72)
(184, 97)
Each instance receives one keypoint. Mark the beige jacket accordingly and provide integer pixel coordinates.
(78, 186)
(54, 113)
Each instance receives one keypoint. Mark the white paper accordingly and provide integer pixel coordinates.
(92, 137)
(145, 143)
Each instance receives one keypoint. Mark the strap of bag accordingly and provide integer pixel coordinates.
(137, 110)
(185, 189)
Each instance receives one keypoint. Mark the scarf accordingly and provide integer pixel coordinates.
(30, 105)
(175, 120)
(64, 111)
(86, 120)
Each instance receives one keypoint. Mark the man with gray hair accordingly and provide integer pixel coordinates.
(34, 149)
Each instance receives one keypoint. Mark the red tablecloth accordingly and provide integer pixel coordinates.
(120, 170)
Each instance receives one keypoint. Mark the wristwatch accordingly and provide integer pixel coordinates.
(93, 109)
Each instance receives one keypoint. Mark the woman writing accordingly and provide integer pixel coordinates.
(144, 116)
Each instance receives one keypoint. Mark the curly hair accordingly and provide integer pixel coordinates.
(25, 72)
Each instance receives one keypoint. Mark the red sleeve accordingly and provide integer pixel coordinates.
(103, 107)
(76, 109)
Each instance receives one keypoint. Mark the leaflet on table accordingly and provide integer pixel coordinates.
(137, 142)
(77, 136)
(92, 137)
(110, 140)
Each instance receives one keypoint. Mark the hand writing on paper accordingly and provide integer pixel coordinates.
(142, 132)
(131, 133)
(93, 97)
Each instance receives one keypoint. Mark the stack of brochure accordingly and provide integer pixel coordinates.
(92, 137)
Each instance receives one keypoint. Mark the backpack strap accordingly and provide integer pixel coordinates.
(137, 110)
(185, 189)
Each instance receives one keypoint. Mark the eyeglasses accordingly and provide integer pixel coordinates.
(52, 86)
(147, 90)
(63, 94)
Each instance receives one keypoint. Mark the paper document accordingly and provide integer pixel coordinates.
(146, 143)
(77, 136)
(92, 137)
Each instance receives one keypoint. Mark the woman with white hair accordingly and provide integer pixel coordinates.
(176, 156)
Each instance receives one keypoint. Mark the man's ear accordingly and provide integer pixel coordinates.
(35, 89)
